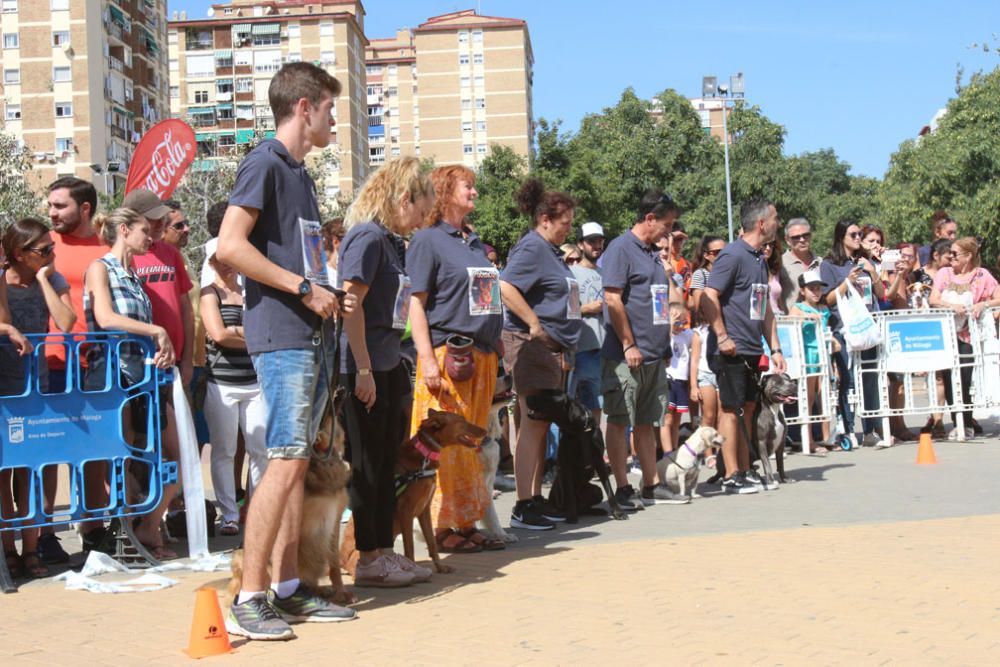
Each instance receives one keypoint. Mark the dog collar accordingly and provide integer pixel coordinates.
(692, 452)
(426, 451)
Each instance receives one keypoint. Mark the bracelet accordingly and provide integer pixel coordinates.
(775, 351)
(628, 348)
(722, 339)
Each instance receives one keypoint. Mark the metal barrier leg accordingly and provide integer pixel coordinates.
(6, 582)
(806, 435)
(128, 549)
(887, 431)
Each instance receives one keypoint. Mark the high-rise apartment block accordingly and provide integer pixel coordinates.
(82, 81)
(221, 68)
(449, 89)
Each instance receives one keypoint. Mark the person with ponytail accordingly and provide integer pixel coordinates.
(540, 335)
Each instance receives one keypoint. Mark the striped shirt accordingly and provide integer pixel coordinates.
(228, 365)
(128, 299)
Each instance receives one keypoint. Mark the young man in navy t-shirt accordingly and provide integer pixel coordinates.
(271, 235)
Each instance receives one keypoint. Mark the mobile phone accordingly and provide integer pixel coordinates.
(891, 257)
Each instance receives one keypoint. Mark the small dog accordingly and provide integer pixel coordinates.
(679, 469)
(919, 296)
(325, 500)
(416, 481)
(580, 454)
(489, 456)
(769, 424)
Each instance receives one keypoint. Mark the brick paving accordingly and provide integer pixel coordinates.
(867, 560)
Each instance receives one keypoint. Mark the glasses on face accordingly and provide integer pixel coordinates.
(855, 235)
(572, 260)
(800, 238)
(713, 253)
(43, 251)
(181, 225)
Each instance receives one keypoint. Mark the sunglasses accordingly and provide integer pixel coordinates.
(855, 235)
(713, 253)
(181, 225)
(44, 251)
(800, 237)
(572, 260)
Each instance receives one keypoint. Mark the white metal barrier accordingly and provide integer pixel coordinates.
(916, 345)
(790, 335)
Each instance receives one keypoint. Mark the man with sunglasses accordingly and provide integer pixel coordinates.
(798, 259)
(177, 228)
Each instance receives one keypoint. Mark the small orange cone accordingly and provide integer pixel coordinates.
(208, 629)
(925, 451)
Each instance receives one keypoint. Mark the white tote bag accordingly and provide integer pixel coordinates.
(860, 331)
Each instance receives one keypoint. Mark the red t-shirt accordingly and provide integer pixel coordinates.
(73, 257)
(165, 279)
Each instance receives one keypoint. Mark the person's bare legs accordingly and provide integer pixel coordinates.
(614, 443)
(529, 453)
(645, 447)
(148, 531)
(709, 405)
(273, 522)
(667, 437)
(729, 429)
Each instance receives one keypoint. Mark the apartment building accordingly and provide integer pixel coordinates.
(450, 88)
(221, 67)
(82, 81)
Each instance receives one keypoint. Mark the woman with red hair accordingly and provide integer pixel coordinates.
(456, 319)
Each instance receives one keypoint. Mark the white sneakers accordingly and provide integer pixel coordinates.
(390, 570)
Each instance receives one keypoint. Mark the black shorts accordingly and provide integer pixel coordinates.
(739, 379)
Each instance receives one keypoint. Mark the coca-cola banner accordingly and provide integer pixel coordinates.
(162, 157)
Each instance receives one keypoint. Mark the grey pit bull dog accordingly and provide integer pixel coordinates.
(769, 425)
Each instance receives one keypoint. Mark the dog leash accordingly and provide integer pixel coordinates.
(673, 459)
(333, 385)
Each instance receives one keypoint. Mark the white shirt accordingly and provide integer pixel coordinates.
(680, 362)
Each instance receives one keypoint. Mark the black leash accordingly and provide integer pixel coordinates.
(333, 384)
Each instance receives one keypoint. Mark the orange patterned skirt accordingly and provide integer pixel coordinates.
(461, 498)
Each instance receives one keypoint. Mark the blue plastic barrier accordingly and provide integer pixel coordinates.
(80, 426)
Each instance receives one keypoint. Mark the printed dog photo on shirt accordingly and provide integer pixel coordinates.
(484, 291)
(313, 253)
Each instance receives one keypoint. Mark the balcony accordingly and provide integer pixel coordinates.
(119, 133)
(116, 65)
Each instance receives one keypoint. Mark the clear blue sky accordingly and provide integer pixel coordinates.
(857, 76)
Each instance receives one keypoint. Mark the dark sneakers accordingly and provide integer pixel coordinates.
(257, 619)
(737, 485)
(50, 551)
(527, 516)
(628, 499)
(548, 510)
(305, 606)
(660, 494)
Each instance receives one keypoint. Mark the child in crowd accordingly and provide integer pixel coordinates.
(811, 306)
(704, 384)
(681, 374)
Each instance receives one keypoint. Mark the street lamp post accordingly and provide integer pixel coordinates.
(711, 89)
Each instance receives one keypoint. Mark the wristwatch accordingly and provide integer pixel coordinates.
(305, 287)
(364, 371)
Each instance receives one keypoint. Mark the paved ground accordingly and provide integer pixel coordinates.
(865, 559)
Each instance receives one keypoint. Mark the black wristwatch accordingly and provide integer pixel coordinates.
(305, 287)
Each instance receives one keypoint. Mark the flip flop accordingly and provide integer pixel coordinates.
(480, 540)
(462, 546)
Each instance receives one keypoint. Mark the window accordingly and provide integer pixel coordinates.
(467, 126)
(463, 59)
(477, 58)
(60, 5)
(10, 40)
(294, 30)
(175, 92)
(466, 103)
(477, 35)
(393, 70)
(270, 39)
(267, 61)
(8, 6)
(480, 81)
(12, 112)
(64, 109)
(294, 57)
(243, 58)
(225, 113)
(327, 57)
(244, 111)
(201, 65)
(394, 132)
(463, 36)
(481, 149)
(395, 151)
(326, 29)
(244, 85)
(467, 149)
(227, 140)
(224, 86)
(175, 65)
(128, 54)
(60, 37)
(201, 97)
(465, 82)
(172, 37)
(64, 146)
(12, 77)
(480, 125)
(373, 69)
(374, 90)
(480, 102)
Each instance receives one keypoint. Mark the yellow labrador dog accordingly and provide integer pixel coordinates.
(680, 468)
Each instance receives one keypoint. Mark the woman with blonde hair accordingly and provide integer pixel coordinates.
(456, 318)
(394, 201)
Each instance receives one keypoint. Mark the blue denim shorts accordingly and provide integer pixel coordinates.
(294, 384)
(586, 383)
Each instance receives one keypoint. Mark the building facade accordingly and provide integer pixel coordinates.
(450, 88)
(221, 68)
(82, 81)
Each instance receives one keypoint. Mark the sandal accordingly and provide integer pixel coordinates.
(15, 564)
(32, 565)
(229, 528)
(480, 540)
(458, 543)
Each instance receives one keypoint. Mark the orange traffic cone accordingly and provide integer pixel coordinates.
(925, 451)
(208, 630)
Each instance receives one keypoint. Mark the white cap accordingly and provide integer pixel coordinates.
(591, 229)
(811, 277)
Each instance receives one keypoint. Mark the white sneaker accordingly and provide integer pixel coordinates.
(854, 441)
(382, 573)
(969, 434)
(884, 443)
(420, 574)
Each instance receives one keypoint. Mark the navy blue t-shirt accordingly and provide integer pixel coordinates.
(634, 268)
(462, 286)
(287, 232)
(740, 276)
(835, 274)
(535, 267)
(368, 256)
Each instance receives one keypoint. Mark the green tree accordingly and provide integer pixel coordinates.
(17, 199)
(497, 220)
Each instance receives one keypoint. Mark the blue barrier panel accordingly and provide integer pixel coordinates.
(93, 421)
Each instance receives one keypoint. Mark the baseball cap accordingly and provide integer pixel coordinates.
(811, 278)
(678, 229)
(146, 203)
(591, 229)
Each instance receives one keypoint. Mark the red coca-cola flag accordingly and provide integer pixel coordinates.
(162, 157)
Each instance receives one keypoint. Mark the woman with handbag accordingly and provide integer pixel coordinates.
(850, 276)
(456, 319)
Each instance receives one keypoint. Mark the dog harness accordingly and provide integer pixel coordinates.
(430, 450)
(697, 457)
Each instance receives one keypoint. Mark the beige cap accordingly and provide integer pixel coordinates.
(146, 203)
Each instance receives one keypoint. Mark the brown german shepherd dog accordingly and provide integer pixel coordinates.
(415, 465)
